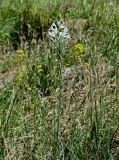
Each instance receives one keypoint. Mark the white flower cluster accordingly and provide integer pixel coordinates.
(58, 31)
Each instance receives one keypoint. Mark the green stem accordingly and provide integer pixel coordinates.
(59, 105)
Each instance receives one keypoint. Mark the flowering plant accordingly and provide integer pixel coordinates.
(58, 31)
(20, 54)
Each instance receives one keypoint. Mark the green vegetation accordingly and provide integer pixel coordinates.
(59, 101)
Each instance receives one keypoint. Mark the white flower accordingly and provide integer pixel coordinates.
(65, 33)
(58, 32)
(53, 31)
(61, 24)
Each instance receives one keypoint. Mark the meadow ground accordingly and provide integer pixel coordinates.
(59, 100)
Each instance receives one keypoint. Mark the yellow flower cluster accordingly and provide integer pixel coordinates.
(86, 65)
(39, 69)
(20, 76)
(79, 48)
(20, 55)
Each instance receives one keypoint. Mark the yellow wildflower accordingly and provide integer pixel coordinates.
(20, 55)
(79, 48)
(39, 69)
(20, 76)
(86, 65)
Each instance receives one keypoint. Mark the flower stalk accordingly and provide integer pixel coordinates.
(59, 33)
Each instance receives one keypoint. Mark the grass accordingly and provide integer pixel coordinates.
(67, 108)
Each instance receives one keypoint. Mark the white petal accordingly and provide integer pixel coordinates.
(53, 28)
(65, 33)
(61, 24)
